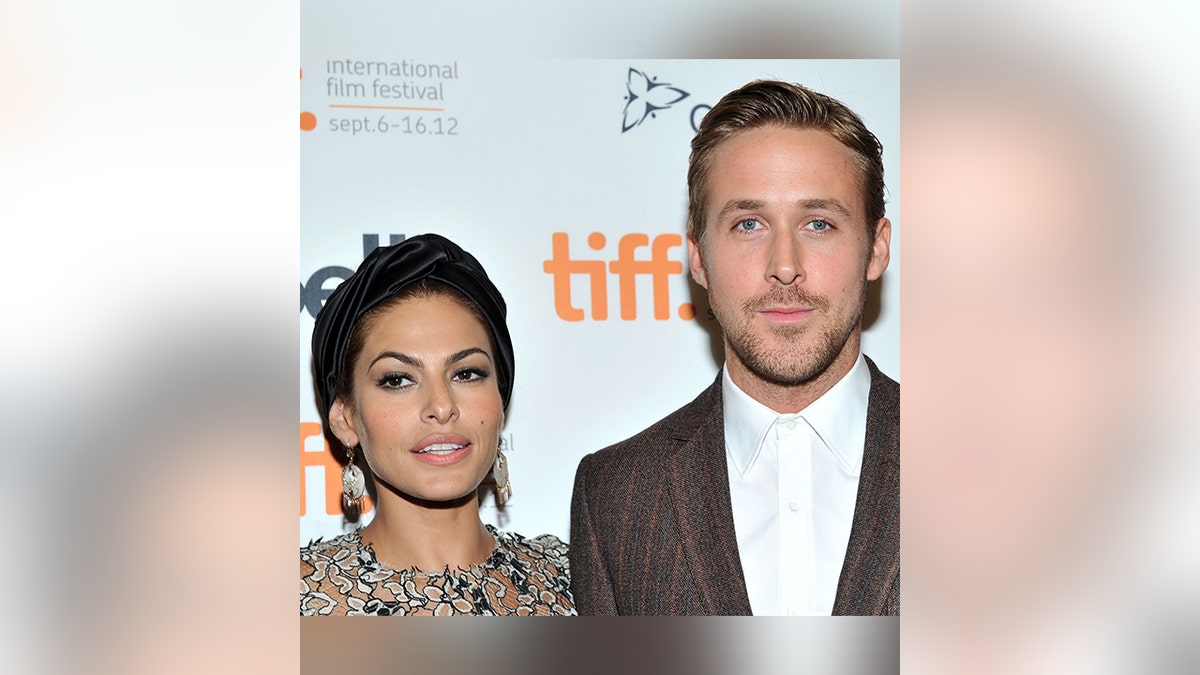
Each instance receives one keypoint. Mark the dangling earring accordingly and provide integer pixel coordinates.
(354, 485)
(500, 474)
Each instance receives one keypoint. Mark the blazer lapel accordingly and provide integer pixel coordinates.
(699, 487)
(872, 565)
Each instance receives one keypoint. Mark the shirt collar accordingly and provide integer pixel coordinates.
(838, 418)
(746, 424)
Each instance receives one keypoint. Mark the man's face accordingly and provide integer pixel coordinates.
(786, 254)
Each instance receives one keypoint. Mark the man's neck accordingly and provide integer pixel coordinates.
(789, 399)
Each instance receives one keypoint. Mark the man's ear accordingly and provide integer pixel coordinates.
(881, 253)
(341, 420)
(698, 272)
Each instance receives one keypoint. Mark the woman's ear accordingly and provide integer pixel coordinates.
(341, 420)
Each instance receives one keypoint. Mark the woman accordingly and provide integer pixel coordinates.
(414, 369)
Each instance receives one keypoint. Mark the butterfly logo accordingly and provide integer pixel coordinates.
(645, 96)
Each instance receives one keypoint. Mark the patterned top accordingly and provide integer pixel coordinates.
(522, 577)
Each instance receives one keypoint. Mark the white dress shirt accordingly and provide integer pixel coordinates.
(793, 481)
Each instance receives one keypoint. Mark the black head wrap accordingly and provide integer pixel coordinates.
(384, 273)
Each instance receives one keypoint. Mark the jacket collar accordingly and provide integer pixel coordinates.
(698, 482)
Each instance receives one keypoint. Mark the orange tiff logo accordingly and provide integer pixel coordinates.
(333, 472)
(626, 267)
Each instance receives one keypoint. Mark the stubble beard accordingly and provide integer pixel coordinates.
(790, 356)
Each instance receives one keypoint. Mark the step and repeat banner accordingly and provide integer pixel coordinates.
(567, 180)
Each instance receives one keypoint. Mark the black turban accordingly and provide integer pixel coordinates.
(384, 273)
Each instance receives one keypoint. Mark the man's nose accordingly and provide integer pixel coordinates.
(785, 266)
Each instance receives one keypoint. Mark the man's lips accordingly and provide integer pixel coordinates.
(786, 314)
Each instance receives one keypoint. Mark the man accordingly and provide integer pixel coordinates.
(777, 490)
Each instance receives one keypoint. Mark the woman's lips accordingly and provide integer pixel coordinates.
(442, 449)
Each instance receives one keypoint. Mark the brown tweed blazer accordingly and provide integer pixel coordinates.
(652, 526)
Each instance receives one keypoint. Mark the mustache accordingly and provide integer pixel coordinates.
(788, 296)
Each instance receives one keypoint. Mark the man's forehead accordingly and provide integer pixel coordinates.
(805, 167)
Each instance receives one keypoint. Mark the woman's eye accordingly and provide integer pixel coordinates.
(470, 375)
(394, 381)
(749, 225)
(819, 225)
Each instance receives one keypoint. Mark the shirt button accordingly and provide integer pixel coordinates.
(795, 506)
(791, 424)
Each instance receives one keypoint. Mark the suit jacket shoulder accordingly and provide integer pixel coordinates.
(651, 521)
(675, 429)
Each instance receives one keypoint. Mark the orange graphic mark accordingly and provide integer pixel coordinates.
(384, 107)
(561, 267)
(626, 267)
(659, 267)
(333, 472)
(308, 121)
(687, 311)
(302, 73)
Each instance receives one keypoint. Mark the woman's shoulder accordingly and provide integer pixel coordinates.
(543, 546)
(349, 541)
(535, 562)
(335, 550)
(329, 572)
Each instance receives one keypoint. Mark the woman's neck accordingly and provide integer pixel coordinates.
(406, 533)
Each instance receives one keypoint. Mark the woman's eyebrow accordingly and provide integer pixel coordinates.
(459, 356)
(405, 358)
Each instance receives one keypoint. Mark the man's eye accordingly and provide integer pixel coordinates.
(748, 225)
(819, 225)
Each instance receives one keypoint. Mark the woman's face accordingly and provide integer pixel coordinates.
(426, 404)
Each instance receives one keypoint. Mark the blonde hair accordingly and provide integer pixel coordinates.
(772, 103)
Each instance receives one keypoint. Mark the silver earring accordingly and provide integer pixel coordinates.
(500, 474)
(354, 485)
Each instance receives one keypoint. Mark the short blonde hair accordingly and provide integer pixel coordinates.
(773, 103)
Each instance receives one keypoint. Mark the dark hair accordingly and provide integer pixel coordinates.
(431, 265)
(424, 288)
(772, 103)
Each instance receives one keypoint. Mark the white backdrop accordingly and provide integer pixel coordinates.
(503, 157)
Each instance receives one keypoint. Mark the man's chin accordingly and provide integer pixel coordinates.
(785, 371)
(789, 379)
(788, 364)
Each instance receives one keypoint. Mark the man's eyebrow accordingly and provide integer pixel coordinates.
(824, 205)
(811, 204)
(739, 205)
